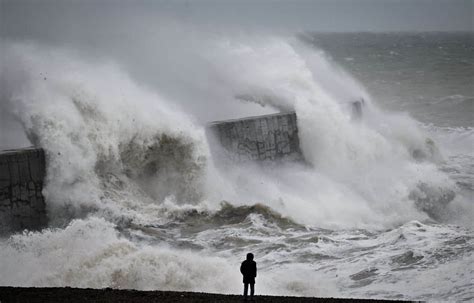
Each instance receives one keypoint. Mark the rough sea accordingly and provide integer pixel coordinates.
(383, 208)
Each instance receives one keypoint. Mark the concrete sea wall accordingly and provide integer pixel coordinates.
(270, 137)
(22, 204)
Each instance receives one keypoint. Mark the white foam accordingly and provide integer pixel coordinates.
(90, 253)
(86, 113)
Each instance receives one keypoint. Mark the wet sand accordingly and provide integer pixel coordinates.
(67, 294)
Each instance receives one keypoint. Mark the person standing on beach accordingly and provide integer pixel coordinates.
(249, 272)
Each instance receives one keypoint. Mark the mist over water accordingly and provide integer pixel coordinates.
(136, 200)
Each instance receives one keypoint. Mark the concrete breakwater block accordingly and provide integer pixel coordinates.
(22, 205)
(270, 137)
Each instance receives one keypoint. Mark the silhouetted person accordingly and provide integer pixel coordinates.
(249, 271)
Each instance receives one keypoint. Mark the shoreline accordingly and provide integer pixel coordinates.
(69, 294)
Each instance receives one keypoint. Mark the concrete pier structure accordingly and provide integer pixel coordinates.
(270, 137)
(22, 204)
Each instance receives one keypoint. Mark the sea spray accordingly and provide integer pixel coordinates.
(90, 253)
(93, 121)
(380, 147)
(344, 224)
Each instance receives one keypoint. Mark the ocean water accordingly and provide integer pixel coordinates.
(382, 209)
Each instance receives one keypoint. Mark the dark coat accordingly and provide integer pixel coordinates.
(249, 271)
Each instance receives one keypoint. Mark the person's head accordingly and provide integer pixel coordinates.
(250, 256)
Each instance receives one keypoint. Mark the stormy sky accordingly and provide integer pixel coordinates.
(30, 18)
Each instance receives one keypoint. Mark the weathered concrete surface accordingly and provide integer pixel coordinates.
(22, 204)
(270, 137)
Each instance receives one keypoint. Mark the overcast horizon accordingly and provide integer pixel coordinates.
(36, 19)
